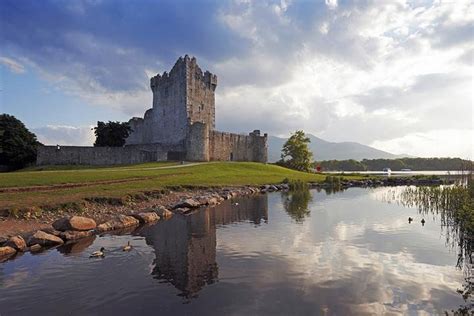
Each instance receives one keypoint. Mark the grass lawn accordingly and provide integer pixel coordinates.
(123, 180)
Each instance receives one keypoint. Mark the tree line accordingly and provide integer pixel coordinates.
(18, 146)
(415, 164)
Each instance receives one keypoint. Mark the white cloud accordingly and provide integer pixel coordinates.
(65, 135)
(13, 65)
(376, 73)
(440, 143)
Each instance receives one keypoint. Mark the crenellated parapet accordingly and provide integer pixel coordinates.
(184, 113)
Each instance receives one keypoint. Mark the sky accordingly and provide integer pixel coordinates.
(393, 74)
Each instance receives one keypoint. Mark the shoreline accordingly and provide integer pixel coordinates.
(110, 215)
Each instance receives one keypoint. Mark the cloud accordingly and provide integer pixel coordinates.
(439, 143)
(361, 71)
(13, 65)
(65, 135)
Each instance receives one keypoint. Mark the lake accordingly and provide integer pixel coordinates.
(302, 253)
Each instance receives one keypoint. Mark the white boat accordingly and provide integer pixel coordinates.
(387, 170)
(406, 169)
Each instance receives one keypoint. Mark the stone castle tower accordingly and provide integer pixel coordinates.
(181, 98)
(179, 126)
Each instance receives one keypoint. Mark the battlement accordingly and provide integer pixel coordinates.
(184, 66)
(183, 113)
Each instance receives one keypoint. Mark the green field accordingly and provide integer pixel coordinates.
(55, 186)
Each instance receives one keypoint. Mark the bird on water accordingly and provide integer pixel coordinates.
(98, 253)
(127, 247)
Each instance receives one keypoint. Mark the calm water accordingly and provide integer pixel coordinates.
(306, 253)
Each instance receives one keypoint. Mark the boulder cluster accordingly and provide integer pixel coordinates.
(70, 229)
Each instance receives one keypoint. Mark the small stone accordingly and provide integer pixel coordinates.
(52, 231)
(7, 251)
(121, 221)
(3, 240)
(147, 217)
(16, 242)
(163, 212)
(35, 248)
(104, 227)
(189, 203)
(44, 239)
(78, 223)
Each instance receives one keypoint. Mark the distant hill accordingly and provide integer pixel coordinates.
(324, 150)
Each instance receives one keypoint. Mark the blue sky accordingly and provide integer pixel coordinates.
(396, 75)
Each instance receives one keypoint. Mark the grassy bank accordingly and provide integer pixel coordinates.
(58, 186)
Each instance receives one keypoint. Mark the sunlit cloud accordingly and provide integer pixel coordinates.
(376, 73)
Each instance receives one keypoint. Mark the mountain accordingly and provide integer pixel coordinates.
(324, 150)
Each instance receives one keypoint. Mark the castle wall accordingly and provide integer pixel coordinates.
(197, 142)
(200, 99)
(236, 147)
(180, 126)
(77, 155)
(181, 97)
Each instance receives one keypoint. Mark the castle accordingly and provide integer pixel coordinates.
(179, 126)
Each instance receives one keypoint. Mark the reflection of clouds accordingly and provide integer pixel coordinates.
(16, 278)
(362, 263)
(395, 225)
(344, 231)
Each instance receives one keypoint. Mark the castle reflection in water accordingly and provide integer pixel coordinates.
(185, 246)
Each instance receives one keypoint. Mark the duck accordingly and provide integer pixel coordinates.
(127, 247)
(410, 219)
(98, 253)
(423, 221)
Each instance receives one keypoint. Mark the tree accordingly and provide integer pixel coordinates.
(111, 134)
(296, 148)
(17, 143)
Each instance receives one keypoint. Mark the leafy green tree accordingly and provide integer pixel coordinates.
(17, 143)
(111, 134)
(296, 152)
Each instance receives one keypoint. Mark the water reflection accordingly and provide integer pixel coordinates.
(76, 247)
(296, 204)
(353, 255)
(185, 246)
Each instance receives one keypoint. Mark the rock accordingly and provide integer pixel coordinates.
(182, 210)
(104, 227)
(52, 231)
(35, 248)
(212, 201)
(188, 203)
(16, 242)
(147, 217)
(163, 212)
(273, 188)
(78, 223)
(44, 239)
(125, 221)
(7, 251)
(75, 235)
(3, 240)
(121, 221)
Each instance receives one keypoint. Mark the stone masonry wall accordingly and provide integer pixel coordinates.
(236, 147)
(200, 99)
(76, 155)
(197, 142)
